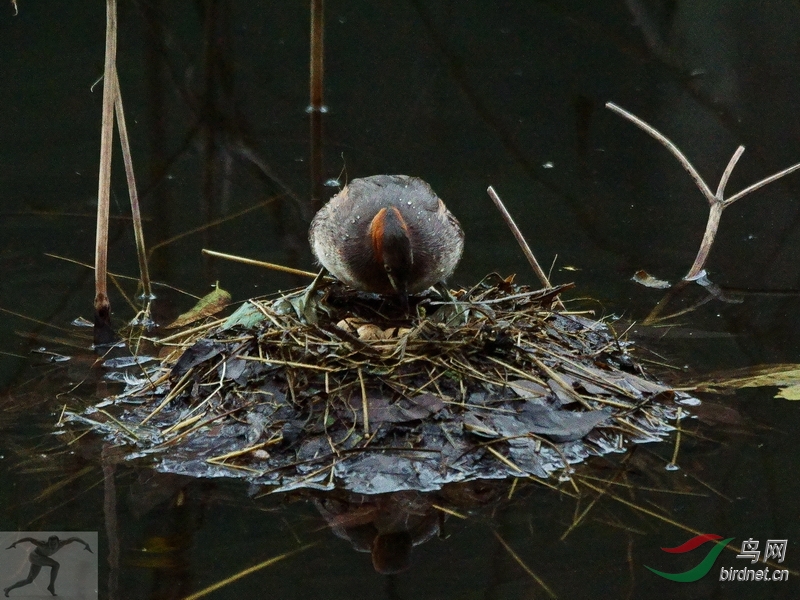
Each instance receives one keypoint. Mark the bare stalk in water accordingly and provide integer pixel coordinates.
(138, 231)
(102, 307)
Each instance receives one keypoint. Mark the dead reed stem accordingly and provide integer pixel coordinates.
(102, 306)
(712, 224)
(147, 291)
(364, 402)
(673, 463)
(526, 249)
(104, 180)
(667, 143)
(259, 263)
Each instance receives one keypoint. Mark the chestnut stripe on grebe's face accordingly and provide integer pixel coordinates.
(391, 246)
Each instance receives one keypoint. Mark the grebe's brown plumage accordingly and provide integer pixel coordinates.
(388, 234)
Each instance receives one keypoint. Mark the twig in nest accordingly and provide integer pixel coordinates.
(716, 201)
(526, 249)
(364, 403)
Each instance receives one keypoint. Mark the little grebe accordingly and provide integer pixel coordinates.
(387, 234)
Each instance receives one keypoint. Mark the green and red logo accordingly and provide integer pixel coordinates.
(704, 566)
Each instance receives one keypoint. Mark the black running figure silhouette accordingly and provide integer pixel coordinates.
(40, 557)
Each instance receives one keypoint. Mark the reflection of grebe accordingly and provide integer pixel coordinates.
(40, 557)
(388, 234)
(387, 526)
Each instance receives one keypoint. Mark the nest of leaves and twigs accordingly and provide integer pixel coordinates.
(329, 386)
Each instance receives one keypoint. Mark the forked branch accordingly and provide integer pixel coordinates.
(717, 201)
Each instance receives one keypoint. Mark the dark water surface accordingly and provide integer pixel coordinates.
(464, 95)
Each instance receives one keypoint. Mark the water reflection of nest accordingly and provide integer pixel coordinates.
(343, 388)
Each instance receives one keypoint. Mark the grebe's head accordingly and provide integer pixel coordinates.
(391, 247)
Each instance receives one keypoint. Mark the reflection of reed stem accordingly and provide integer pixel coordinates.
(147, 291)
(110, 518)
(316, 106)
(317, 31)
(102, 306)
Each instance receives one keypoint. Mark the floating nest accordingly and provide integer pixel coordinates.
(328, 387)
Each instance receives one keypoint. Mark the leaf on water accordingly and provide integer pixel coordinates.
(786, 376)
(644, 278)
(313, 447)
(562, 394)
(208, 305)
(789, 393)
(780, 375)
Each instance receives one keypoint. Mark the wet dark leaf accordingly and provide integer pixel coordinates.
(561, 425)
(197, 354)
(381, 410)
(529, 390)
